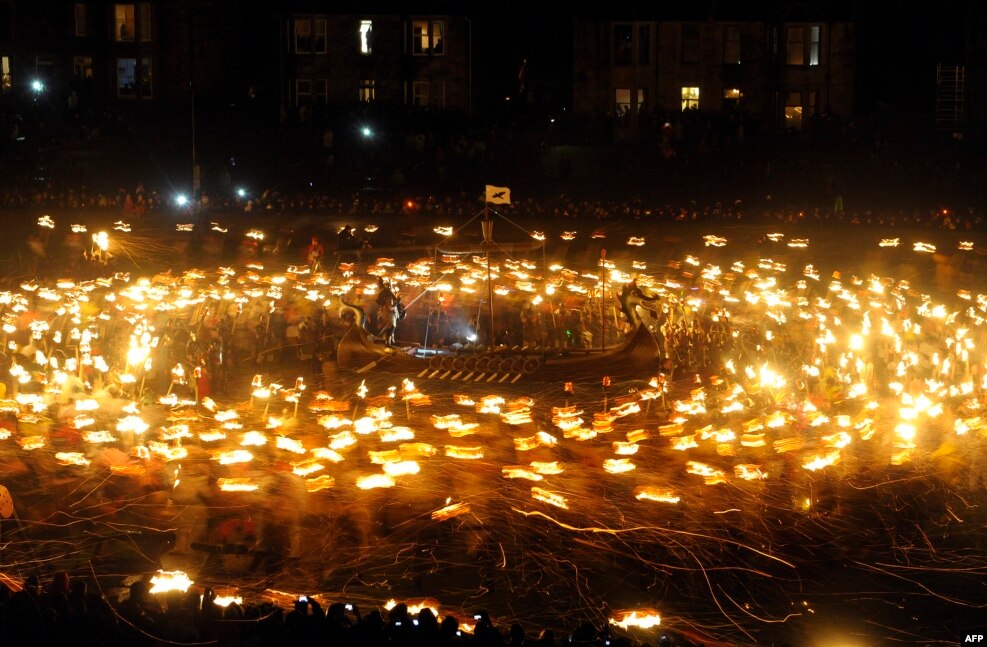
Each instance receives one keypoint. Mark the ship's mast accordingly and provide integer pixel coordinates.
(487, 225)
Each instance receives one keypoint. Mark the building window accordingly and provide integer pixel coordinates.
(145, 17)
(80, 19)
(303, 35)
(310, 36)
(311, 91)
(6, 82)
(366, 29)
(129, 84)
(795, 45)
(803, 45)
(125, 25)
(438, 96)
(623, 104)
(82, 68)
(690, 43)
(147, 80)
(419, 94)
(303, 91)
(366, 90)
(428, 37)
(319, 43)
(814, 33)
(127, 78)
(320, 91)
(731, 45)
(793, 111)
(622, 101)
(644, 45)
(731, 98)
(623, 45)
(690, 98)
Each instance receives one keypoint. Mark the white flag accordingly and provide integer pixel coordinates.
(498, 195)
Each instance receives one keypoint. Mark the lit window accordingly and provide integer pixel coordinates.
(814, 45)
(623, 104)
(82, 67)
(6, 82)
(80, 19)
(793, 111)
(438, 37)
(366, 27)
(731, 45)
(127, 78)
(124, 22)
(419, 93)
(732, 94)
(366, 90)
(427, 37)
(795, 45)
(145, 22)
(622, 99)
(690, 98)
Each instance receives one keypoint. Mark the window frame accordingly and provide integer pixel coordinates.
(366, 44)
(118, 24)
(689, 54)
(794, 101)
(437, 95)
(299, 93)
(690, 102)
(82, 67)
(133, 95)
(317, 33)
(145, 26)
(815, 46)
(626, 48)
(423, 43)
(80, 15)
(732, 50)
(320, 91)
(416, 95)
(297, 35)
(6, 76)
(644, 44)
(795, 48)
(809, 49)
(145, 82)
(366, 90)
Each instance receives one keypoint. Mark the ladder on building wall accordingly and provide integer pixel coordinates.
(950, 81)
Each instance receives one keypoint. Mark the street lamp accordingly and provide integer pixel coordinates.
(181, 200)
(367, 132)
(38, 86)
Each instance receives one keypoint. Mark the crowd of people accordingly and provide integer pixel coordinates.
(66, 610)
(459, 207)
